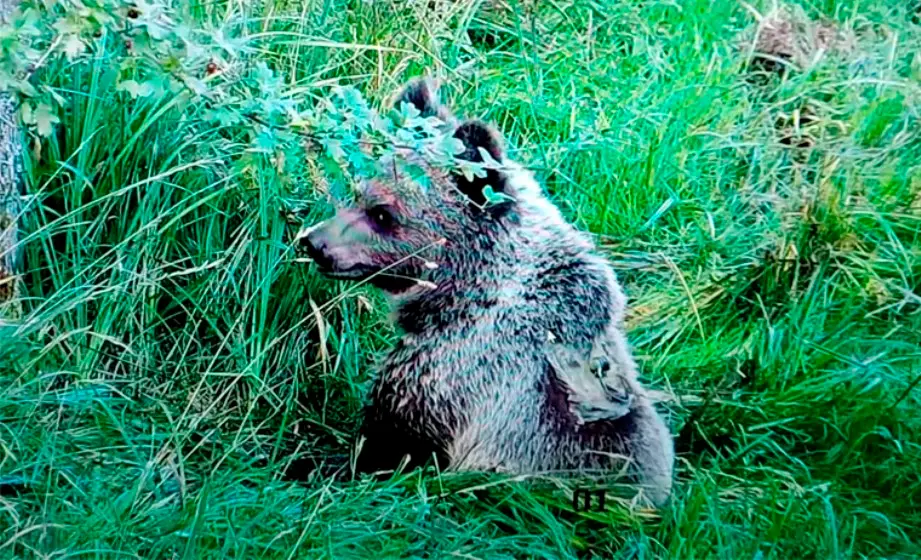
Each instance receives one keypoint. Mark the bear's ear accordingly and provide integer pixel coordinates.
(422, 93)
(476, 135)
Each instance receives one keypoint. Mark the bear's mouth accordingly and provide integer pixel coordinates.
(353, 273)
(378, 277)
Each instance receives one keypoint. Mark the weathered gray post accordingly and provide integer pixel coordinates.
(10, 199)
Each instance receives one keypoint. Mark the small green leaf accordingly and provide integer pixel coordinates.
(232, 46)
(73, 47)
(45, 119)
(197, 86)
(305, 119)
(224, 117)
(24, 87)
(408, 112)
(334, 149)
(266, 140)
(452, 146)
(488, 161)
(468, 171)
(28, 23)
(493, 198)
(269, 83)
(135, 89)
(58, 98)
(28, 116)
(405, 137)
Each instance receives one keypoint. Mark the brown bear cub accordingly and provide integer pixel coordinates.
(513, 356)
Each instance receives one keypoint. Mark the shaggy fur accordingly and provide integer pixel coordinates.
(513, 356)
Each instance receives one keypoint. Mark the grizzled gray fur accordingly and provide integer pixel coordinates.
(513, 356)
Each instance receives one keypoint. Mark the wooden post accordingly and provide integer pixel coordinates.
(10, 195)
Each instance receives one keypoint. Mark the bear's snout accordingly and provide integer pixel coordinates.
(317, 249)
(312, 241)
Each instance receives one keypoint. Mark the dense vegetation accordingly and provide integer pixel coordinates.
(178, 375)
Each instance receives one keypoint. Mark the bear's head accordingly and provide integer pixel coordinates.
(401, 232)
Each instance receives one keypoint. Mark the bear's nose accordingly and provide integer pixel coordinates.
(316, 249)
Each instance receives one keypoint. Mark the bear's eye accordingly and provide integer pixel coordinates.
(381, 217)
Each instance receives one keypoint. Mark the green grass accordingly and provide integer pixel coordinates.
(170, 367)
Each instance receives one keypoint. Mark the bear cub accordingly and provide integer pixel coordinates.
(513, 356)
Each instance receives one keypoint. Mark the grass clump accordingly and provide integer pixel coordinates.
(176, 369)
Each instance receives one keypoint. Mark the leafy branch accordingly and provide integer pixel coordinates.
(154, 52)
